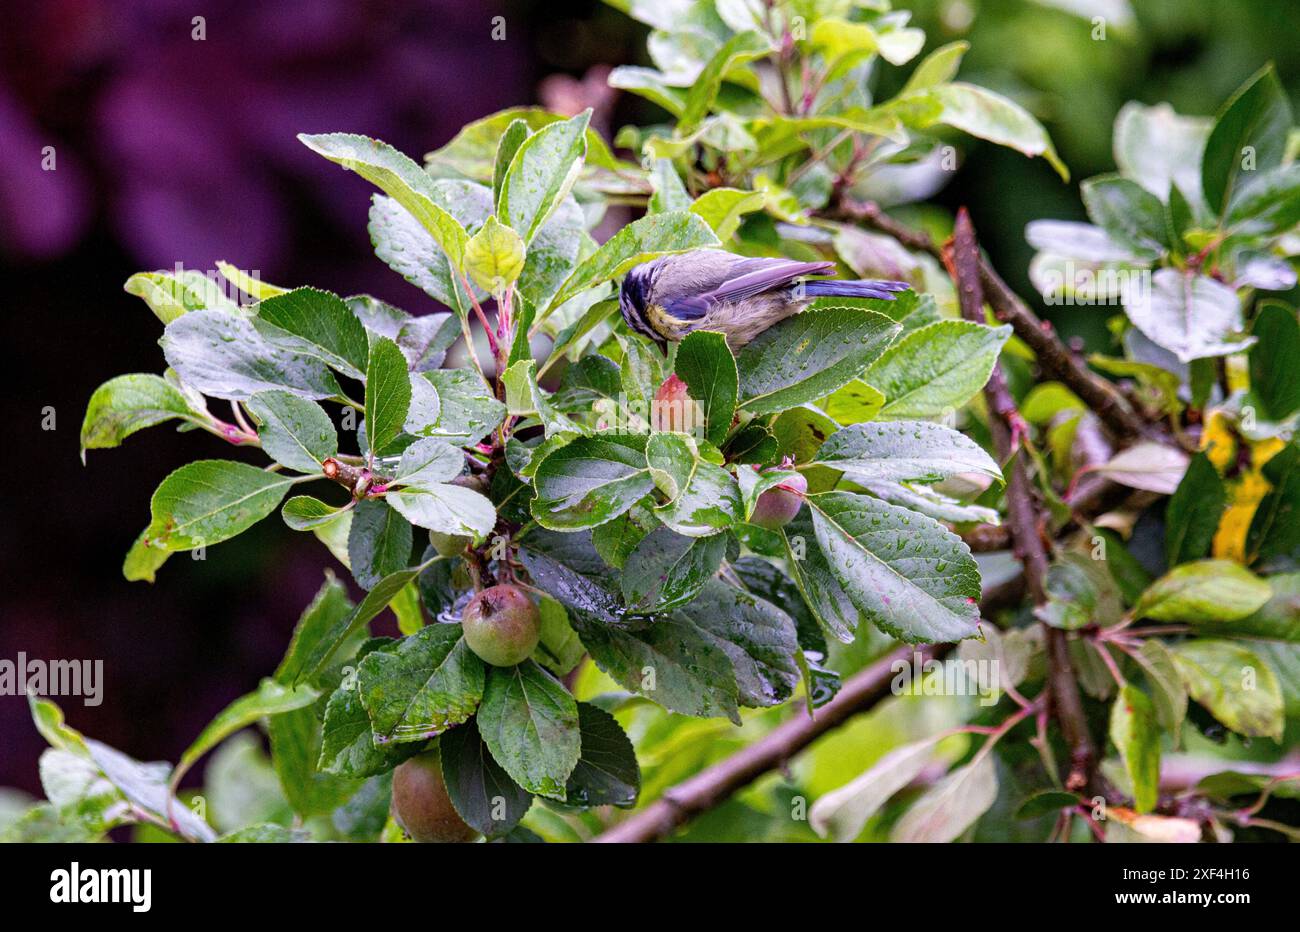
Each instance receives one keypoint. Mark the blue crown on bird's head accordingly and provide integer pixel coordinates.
(633, 297)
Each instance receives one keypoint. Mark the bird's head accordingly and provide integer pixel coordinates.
(634, 300)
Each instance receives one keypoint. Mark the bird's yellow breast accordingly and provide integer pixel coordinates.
(665, 324)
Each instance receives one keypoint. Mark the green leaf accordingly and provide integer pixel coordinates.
(1269, 204)
(1205, 590)
(296, 741)
(399, 178)
(348, 748)
(1257, 118)
(554, 252)
(1192, 316)
(208, 501)
(1194, 511)
(724, 208)
(988, 115)
(446, 508)
(541, 174)
(876, 255)
(1168, 694)
(311, 660)
(1274, 530)
(702, 498)
(822, 593)
(939, 67)
(388, 394)
(507, 146)
(1147, 465)
(936, 368)
(757, 637)
(305, 513)
(329, 606)
(1238, 688)
(316, 323)
(558, 647)
(270, 698)
(295, 432)
(129, 403)
(568, 567)
(650, 84)
(927, 501)
(1080, 591)
(842, 813)
(379, 542)
(1159, 149)
(906, 451)
(428, 462)
(853, 403)
(667, 569)
(754, 483)
(480, 790)
(607, 773)
(225, 356)
(428, 683)
(668, 660)
(255, 288)
(1274, 361)
(952, 805)
(1134, 733)
(908, 574)
(467, 413)
(707, 367)
(99, 786)
(638, 242)
(588, 482)
(1132, 215)
(740, 49)
(530, 724)
(408, 248)
(170, 296)
(494, 256)
(524, 396)
(807, 356)
(142, 561)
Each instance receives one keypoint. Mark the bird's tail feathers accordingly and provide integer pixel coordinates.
(866, 288)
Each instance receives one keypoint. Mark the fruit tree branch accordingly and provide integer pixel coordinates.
(713, 785)
(1053, 355)
(1023, 515)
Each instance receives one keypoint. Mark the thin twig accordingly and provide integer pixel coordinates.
(715, 784)
(1023, 518)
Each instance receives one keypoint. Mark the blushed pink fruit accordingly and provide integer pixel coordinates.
(502, 625)
(421, 805)
(672, 406)
(777, 506)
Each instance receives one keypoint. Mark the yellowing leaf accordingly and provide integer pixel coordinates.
(494, 256)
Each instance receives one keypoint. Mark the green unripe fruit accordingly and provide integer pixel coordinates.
(777, 506)
(502, 625)
(421, 805)
(448, 545)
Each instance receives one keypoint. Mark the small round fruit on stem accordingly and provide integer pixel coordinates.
(777, 506)
(502, 625)
(672, 407)
(421, 805)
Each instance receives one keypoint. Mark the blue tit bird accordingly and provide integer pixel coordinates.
(711, 289)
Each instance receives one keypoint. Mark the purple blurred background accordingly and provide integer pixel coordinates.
(168, 149)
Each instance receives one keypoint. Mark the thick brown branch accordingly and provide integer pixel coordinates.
(1053, 355)
(715, 784)
(1023, 515)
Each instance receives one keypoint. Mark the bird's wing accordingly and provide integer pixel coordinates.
(744, 279)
